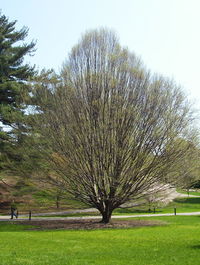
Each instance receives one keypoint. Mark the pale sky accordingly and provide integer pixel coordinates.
(164, 33)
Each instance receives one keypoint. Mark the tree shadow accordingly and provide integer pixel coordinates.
(13, 226)
(188, 200)
(196, 246)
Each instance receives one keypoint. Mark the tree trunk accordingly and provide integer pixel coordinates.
(106, 218)
(106, 215)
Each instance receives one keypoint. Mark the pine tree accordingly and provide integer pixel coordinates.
(13, 73)
(14, 88)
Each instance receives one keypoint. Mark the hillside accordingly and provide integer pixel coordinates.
(35, 197)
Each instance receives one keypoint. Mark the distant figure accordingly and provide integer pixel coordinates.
(14, 211)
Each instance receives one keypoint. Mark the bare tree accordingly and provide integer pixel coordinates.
(111, 123)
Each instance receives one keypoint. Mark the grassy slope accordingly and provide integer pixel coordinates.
(31, 197)
(176, 243)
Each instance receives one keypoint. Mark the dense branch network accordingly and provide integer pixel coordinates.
(111, 124)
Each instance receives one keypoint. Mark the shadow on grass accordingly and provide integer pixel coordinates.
(13, 227)
(188, 200)
(196, 246)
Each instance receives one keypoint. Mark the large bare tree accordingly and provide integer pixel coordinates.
(110, 125)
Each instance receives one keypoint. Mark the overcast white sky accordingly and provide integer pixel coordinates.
(165, 33)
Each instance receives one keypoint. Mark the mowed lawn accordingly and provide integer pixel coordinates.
(177, 242)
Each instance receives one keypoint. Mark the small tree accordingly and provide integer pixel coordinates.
(111, 124)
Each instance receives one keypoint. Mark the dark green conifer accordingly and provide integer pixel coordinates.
(13, 73)
(14, 88)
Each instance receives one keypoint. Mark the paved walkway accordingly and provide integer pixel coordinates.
(7, 218)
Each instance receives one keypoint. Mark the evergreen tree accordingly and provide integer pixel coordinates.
(13, 73)
(14, 88)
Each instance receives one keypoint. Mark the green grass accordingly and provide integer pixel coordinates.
(196, 193)
(12, 227)
(177, 243)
